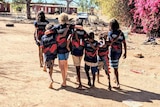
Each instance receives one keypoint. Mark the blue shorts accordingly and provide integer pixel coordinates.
(63, 56)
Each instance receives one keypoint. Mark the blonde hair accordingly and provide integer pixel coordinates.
(63, 18)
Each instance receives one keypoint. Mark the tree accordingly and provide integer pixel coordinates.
(85, 4)
(28, 9)
(118, 9)
(68, 2)
(27, 2)
(146, 13)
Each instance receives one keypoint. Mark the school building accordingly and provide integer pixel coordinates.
(4, 7)
(51, 8)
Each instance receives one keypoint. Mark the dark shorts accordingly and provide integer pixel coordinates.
(49, 57)
(49, 63)
(93, 69)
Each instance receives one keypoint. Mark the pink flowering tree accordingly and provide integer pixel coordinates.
(146, 13)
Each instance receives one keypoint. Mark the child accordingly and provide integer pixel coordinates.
(103, 56)
(40, 25)
(115, 51)
(90, 58)
(49, 48)
(77, 43)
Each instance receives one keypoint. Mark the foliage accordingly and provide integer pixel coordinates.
(18, 5)
(84, 5)
(146, 13)
(118, 9)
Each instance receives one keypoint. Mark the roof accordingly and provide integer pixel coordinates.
(51, 4)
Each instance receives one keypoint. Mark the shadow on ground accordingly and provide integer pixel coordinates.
(120, 95)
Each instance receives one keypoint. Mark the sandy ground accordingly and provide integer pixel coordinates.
(24, 84)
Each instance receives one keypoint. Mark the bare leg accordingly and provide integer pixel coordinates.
(117, 77)
(79, 76)
(62, 68)
(40, 56)
(98, 76)
(65, 68)
(109, 81)
(87, 68)
(44, 66)
(50, 74)
(94, 76)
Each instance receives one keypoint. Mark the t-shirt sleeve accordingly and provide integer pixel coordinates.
(35, 24)
(109, 35)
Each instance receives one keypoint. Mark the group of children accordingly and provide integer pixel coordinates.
(59, 40)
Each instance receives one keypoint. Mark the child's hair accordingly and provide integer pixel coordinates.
(114, 25)
(40, 16)
(49, 26)
(91, 35)
(63, 18)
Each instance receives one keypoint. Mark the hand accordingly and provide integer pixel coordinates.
(48, 32)
(124, 56)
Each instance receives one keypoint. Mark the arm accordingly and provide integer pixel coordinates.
(65, 32)
(69, 41)
(36, 35)
(125, 49)
(76, 36)
(92, 45)
(78, 27)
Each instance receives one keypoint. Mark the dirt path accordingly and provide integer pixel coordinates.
(24, 84)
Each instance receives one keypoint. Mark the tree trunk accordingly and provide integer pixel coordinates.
(68, 2)
(28, 9)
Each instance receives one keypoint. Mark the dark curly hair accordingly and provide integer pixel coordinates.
(91, 35)
(114, 25)
(40, 16)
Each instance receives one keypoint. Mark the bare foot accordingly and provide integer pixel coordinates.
(80, 87)
(44, 69)
(109, 87)
(50, 86)
(63, 84)
(41, 65)
(117, 87)
(89, 83)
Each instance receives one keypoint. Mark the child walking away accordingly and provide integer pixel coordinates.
(115, 51)
(49, 47)
(77, 43)
(103, 57)
(40, 25)
(90, 58)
